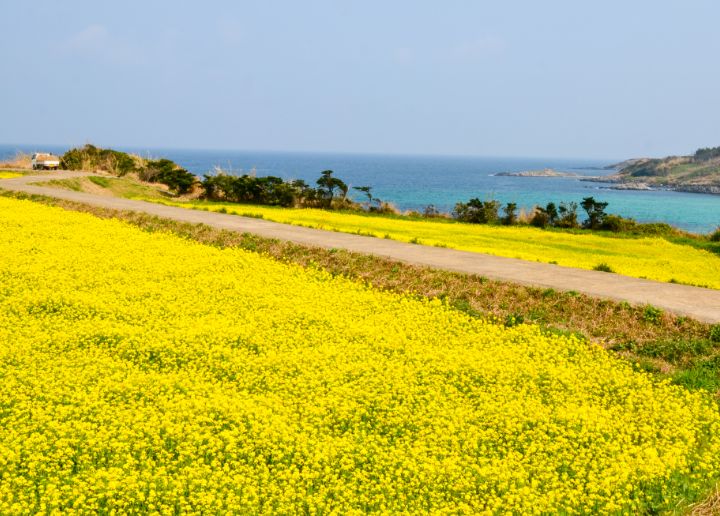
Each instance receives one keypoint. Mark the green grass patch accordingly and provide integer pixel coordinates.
(126, 187)
(104, 182)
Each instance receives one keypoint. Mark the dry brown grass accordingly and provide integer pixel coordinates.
(709, 507)
(21, 161)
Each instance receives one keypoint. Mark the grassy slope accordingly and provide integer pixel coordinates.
(120, 187)
(672, 171)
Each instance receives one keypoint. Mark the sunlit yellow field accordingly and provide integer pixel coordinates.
(142, 372)
(8, 175)
(652, 258)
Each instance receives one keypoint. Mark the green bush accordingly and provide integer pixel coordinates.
(707, 154)
(603, 267)
(540, 219)
(715, 236)
(273, 191)
(92, 159)
(476, 211)
(652, 314)
(567, 215)
(715, 333)
(510, 218)
(618, 224)
(168, 173)
(514, 319)
(595, 211)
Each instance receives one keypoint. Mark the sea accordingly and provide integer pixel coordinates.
(412, 182)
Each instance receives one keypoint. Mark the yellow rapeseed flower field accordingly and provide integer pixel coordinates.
(8, 175)
(650, 257)
(146, 373)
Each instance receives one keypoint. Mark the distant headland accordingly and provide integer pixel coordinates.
(697, 173)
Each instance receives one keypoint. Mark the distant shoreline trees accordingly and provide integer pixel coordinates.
(331, 192)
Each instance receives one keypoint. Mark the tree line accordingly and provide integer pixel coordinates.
(331, 192)
(562, 215)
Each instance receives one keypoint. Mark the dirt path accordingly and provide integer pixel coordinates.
(700, 303)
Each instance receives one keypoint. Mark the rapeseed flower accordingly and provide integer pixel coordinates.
(145, 373)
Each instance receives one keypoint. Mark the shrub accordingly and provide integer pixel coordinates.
(618, 224)
(707, 154)
(715, 333)
(328, 185)
(715, 236)
(476, 211)
(269, 190)
(652, 314)
(540, 218)
(431, 212)
(93, 159)
(567, 215)
(510, 211)
(603, 267)
(274, 191)
(595, 211)
(168, 173)
(514, 319)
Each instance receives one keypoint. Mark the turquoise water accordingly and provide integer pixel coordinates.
(413, 182)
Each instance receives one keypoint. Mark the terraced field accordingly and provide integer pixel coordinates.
(145, 372)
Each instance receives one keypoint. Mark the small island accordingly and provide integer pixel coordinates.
(546, 172)
(697, 173)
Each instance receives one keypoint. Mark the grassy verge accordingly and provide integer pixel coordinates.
(128, 187)
(679, 348)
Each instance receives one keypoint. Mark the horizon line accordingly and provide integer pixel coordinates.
(326, 152)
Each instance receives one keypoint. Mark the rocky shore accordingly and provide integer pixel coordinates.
(546, 172)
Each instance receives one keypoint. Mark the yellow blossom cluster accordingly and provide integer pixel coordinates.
(648, 257)
(4, 174)
(145, 373)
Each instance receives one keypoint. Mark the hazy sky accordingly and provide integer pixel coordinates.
(607, 79)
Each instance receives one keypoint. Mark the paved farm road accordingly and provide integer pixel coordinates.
(700, 303)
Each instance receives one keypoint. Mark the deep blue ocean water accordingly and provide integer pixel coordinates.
(413, 182)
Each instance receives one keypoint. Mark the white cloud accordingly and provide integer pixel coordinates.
(90, 39)
(96, 42)
(478, 48)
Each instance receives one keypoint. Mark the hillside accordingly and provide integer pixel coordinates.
(699, 172)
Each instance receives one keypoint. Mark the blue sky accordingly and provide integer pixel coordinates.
(515, 78)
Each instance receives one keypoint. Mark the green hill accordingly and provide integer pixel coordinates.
(699, 172)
